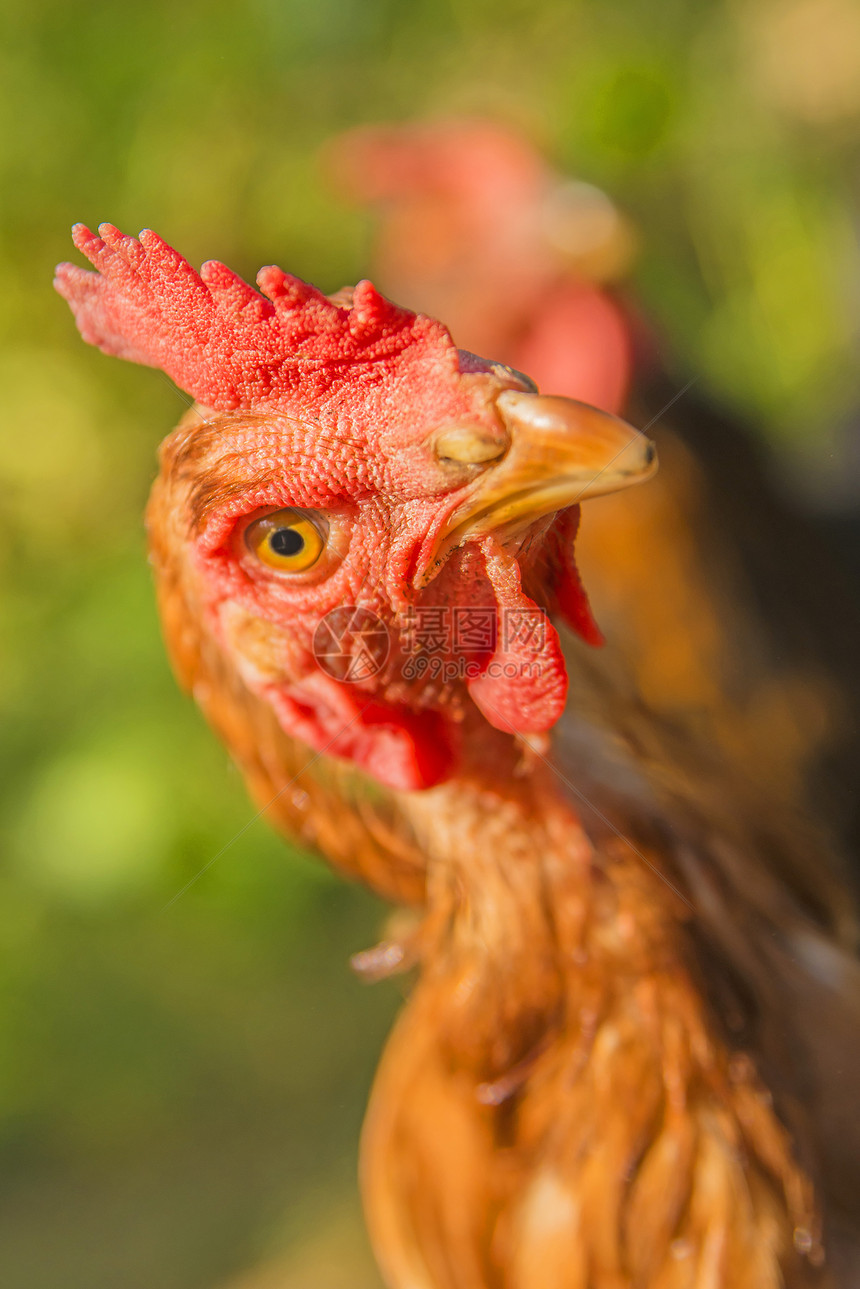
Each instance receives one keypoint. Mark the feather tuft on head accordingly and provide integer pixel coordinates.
(220, 340)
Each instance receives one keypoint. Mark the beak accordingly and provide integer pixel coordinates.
(561, 452)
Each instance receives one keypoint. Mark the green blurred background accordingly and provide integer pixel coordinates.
(181, 1088)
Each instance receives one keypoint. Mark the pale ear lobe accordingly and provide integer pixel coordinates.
(399, 748)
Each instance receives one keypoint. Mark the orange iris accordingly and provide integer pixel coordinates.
(287, 540)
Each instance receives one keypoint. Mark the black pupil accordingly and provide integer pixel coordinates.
(286, 541)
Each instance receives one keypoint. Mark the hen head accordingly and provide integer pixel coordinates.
(364, 518)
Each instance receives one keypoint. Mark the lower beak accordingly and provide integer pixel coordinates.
(561, 452)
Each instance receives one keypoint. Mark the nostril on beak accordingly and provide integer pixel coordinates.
(638, 458)
(469, 445)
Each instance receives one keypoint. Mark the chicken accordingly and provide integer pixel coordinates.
(528, 265)
(519, 261)
(631, 1050)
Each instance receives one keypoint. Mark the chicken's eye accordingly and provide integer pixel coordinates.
(286, 540)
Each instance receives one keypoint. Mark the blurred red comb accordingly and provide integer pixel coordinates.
(219, 339)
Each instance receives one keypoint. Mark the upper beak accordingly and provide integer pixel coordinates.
(561, 452)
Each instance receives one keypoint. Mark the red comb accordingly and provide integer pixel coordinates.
(218, 338)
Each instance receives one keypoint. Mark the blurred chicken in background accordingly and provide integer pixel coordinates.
(719, 598)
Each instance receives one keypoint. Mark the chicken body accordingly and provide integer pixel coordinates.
(556, 1108)
(629, 981)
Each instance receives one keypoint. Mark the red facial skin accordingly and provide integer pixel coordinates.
(332, 408)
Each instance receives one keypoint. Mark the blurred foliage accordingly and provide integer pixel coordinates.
(181, 1087)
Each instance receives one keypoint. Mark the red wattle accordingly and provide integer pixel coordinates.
(400, 748)
(568, 595)
(523, 686)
